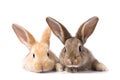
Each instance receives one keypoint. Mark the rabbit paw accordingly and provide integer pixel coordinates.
(59, 67)
(73, 70)
(101, 67)
(68, 69)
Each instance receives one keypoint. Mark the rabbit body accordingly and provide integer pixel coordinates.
(40, 57)
(74, 56)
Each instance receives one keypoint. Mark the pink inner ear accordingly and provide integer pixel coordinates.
(54, 26)
(55, 29)
(89, 28)
(21, 34)
(58, 31)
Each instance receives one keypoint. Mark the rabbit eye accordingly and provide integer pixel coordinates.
(80, 48)
(33, 55)
(64, 49)
(48, 54)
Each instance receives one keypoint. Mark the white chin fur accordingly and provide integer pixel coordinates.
(70, 66)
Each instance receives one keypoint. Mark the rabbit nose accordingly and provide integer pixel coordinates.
(72, 63)
(42, 69)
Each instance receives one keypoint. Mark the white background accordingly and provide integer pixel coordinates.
(104, 42)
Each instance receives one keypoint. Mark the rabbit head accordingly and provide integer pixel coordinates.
(40, 58)
(74, 53)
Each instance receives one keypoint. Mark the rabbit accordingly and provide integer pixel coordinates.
(40, 57)
(74, 57)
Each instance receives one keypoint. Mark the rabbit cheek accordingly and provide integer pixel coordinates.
(28, 62)
(27, 67)
(72, 62)
(43, 67)
(78, 61)
(67, 62)
(48, 66)
(32, 66)
(37, 67)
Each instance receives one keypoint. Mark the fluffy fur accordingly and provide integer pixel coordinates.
(40, 58)
(74, 56)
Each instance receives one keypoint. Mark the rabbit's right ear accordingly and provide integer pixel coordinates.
(86, 29)
(58, 29)
(23, 35)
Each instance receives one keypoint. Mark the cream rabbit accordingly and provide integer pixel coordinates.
(40, 58)
(74, 56)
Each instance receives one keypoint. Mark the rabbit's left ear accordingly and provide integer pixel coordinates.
(46, 36)
(86, 29)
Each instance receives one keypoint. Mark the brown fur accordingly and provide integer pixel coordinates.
(74, 56)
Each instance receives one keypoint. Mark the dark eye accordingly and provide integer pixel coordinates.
(64, 49)
(48, 54)
(33, 55)
(80, 48)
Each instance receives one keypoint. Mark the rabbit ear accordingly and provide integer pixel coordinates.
(23, 35)
(58, 29)
(46, 36)
(87, 29)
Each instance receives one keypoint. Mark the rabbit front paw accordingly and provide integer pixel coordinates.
(59, 67)
(72, 70)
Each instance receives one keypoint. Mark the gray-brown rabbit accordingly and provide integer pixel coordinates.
(74, 56)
